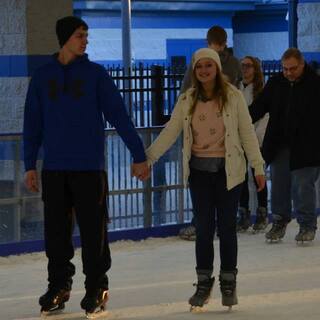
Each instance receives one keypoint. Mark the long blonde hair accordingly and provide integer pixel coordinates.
(219, 91)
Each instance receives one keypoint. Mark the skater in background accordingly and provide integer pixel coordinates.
(290, 144)
(217, 40)
(68, 101)
(215, 122)
(251, 85)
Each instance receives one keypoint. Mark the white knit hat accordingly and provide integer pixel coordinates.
(205, 53)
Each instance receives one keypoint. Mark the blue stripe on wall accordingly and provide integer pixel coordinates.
(312, 56)
(24, 66)
(21, 65)
(184, 47)
(309, 1)
(259, 23)
(160, 21)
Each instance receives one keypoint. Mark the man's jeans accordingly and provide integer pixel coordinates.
(299, 186)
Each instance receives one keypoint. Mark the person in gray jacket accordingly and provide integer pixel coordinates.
(217, 40)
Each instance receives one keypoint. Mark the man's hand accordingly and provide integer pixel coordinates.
(140, 170)
(31, 181)
(261, 182)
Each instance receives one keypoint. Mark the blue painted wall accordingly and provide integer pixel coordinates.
(262, 34)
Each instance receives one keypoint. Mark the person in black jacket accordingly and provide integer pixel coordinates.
(291, 144)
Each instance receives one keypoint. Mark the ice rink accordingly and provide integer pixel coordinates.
(152, 280)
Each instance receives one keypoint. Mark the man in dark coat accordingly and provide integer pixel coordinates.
(291, 144)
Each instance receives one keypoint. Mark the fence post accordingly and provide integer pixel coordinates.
(157, 96)
(147, 192)
(159, 175)
(17, 190)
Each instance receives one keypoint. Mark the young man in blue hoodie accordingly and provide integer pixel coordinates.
(68, 102)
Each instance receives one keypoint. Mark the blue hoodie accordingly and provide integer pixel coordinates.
(65, 112)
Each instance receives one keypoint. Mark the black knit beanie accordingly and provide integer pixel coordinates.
(66, 26)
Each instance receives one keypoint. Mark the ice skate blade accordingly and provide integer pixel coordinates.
(304, 243)
(271, 241)
(197, 309)
(53, 312)
(98, 314)
(258, 231)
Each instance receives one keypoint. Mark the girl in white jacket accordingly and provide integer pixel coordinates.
(217, 129)
(251, 85)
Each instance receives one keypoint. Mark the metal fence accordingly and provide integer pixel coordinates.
(150, 92)
(132, 204)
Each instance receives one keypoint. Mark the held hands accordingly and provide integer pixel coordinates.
(261, 182)
(31, 181)
(140, 170)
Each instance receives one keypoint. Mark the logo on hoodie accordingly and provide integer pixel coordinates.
(75, 88)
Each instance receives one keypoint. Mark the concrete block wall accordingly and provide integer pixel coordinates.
(309, 28)
(260, 35)
(149, 34)
(27, 29)
(147, 44)
(13, 41)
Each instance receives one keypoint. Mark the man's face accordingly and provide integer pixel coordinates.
(78, 41)
(292, 68)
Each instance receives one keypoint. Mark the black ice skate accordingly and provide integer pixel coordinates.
(261, 220)
(228, 287)
(277, 231)
(305, 235)
(244, 221)
(202, 295)
(53, 301)
(94, 303)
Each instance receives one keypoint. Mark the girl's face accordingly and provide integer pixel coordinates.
(206, 71)
(247, 69)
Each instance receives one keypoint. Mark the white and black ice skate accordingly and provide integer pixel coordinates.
(94, 303)
(201, 296)
(53, 301)
(305, 236)
(228, 288)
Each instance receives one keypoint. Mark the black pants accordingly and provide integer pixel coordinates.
(262, 195)
(80, 194)
(214, 204)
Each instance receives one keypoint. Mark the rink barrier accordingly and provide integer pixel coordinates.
(133, 205)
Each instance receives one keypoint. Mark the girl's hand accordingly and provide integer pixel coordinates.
(261, 182)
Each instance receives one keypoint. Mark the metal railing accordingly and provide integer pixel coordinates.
(161, 200)
(150, 92)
